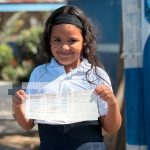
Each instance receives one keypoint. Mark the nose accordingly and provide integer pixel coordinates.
(65, 47)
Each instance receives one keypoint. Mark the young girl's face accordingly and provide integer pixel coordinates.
(66, 45)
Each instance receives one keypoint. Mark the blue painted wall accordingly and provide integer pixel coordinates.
(106, 15)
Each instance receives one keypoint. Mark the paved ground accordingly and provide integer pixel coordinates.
(13, 137)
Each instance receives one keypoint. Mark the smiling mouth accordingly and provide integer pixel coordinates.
(65, 54)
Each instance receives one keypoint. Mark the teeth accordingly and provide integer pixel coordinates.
(65, 53)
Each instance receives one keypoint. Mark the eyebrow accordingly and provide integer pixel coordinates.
(55, 37)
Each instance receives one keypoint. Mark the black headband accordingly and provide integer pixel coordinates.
(68, 18)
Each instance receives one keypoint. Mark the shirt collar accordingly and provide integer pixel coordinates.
(84, 66)
(54, 63)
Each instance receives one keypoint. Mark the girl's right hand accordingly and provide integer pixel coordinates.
(18, 109)
(18, 99)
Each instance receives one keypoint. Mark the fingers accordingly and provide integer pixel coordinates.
(105, 93)
(103, 90)
(19, 98)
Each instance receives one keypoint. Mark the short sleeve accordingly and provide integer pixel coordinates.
(102, 105)
(31, 86)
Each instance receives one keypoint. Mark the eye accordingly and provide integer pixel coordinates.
(73, 40)
(57, 40)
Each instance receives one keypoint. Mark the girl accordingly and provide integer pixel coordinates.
(69, 48)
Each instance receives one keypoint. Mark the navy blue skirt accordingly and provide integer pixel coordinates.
(68, 137)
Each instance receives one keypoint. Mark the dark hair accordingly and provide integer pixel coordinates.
(88, 32)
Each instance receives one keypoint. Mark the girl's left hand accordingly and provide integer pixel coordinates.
(106, 94)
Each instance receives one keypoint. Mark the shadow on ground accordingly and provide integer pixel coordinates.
(13, 137)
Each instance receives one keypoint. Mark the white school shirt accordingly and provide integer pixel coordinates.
(52, 78)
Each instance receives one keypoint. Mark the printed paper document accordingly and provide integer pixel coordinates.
(65, 108)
